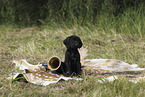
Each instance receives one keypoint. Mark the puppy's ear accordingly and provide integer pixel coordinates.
(80, 43)
(67, 42)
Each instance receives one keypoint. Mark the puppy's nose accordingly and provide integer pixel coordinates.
(76, 44)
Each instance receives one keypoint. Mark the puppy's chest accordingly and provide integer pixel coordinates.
(74, 55)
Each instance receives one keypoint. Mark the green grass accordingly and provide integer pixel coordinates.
(121, 38)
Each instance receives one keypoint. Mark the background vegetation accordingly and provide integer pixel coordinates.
(34, 30)
(28, 12)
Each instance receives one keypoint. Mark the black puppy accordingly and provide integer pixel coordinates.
(72, 56)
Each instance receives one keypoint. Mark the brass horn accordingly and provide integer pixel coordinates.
(54, 63)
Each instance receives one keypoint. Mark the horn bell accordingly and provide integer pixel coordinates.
(54, 63)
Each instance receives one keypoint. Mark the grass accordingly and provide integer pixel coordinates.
(121, 38)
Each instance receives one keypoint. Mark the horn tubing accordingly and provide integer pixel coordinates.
(54, 63)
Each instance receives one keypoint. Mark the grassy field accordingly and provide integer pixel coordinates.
(121, 38)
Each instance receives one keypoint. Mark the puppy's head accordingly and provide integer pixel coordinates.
(73, 42)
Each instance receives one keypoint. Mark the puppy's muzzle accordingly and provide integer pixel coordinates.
(75, 45)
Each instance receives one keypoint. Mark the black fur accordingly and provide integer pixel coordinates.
(72, 57)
